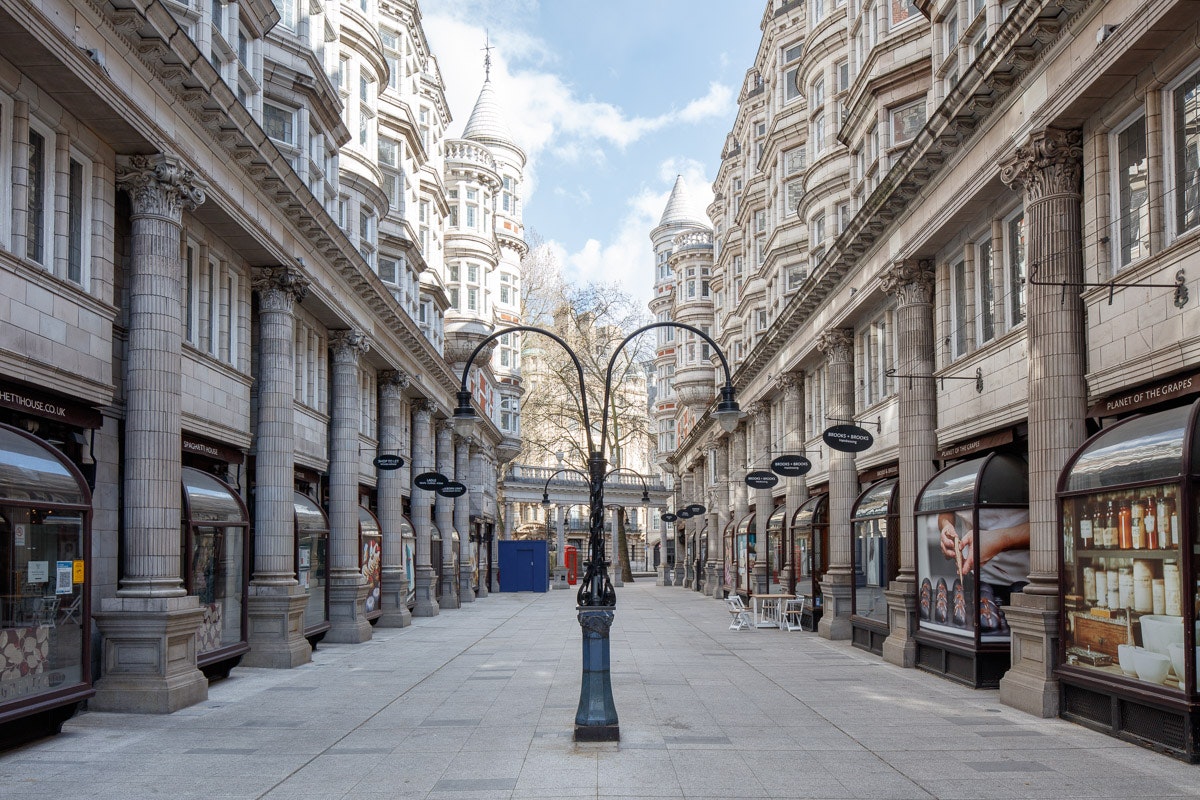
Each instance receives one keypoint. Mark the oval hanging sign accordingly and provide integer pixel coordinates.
(452, 489)
(430, 481)
(684, 513)
(668, 517)
(388, 461)
(791, 466)
(848, 438)
(761, 479)
(696, 508)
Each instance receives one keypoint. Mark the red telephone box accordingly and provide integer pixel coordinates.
(572, 564)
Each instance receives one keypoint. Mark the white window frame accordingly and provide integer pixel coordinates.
(1172, 201)
(49, 194)
(961, 309)
(86, 222)
(1010, 248)
(1117, 237)
(985, 306)
(6, 162)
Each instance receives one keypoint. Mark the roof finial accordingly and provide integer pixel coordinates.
(487, 57)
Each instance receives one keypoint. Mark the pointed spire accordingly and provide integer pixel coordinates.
(487, 57)
(487, 121)
(680, 208)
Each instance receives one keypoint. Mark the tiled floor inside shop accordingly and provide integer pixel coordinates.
(479, 703)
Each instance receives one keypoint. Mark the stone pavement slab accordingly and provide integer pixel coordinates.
(479, 703)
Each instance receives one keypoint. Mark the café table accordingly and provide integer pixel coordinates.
(767, 609)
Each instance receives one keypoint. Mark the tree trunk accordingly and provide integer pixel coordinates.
(619, 541)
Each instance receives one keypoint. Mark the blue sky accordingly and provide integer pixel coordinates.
(610, 101)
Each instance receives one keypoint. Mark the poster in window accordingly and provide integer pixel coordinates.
(39, 571)
(64, 573)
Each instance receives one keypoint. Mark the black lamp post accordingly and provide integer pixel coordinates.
(596, 717)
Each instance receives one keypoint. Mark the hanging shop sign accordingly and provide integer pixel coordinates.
(388, 461)
(668, 517)
(848, 438)
(761, 479)
(696, 508)
(430, 481)
(684, 513)
(452, 489)
(790, 466)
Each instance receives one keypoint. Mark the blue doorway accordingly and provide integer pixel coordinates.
(524, 566)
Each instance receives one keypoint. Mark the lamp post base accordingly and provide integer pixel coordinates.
(596, 719)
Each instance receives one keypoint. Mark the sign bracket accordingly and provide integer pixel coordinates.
(1181, 291)
(977, 377)
(878, 423)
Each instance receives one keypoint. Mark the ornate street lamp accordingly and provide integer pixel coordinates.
(596, 717)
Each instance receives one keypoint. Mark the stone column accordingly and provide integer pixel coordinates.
(1048, 168)
(912, 283)
(443, 511)
(737, 477)
(796, 493)
(422, 512)
(390, 485)
(556, 520)
(149, 628)
(664, 536)
(481, 474)
(838, 346)
(462, 519)
(723, 503)
(713, 501)
(347, 585)
(759, 458)
(683, 567)
(615, 567)
(275, 607)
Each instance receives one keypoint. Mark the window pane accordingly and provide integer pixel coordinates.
(961, 309)
(983, 279)
(1187, 154)
(1133, 192)
(75, 211)
(1016, 268)
(35, 230)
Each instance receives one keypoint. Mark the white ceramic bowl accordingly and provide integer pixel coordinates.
(1125, 657)
(1151, 667)
(1175, 653)
(1159, 630)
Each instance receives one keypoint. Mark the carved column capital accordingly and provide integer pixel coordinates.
(424, 406)
(1050, 162)
(789, 382)
(757, 410)
(159, 185)
(392, 383)
(910, 280)
(279, 288)
(837, 344)
(348, 345)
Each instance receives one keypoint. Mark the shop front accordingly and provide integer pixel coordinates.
(776, 550)
(875, 527)
(312, 564)
(216, 550)
(1128, 511)
(745, 552)
(810, 550)
(972, 540)
(45, 566)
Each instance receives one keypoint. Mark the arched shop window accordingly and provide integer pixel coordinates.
(312, 564)
(730, 566)
(408, 543)
(876, 532)
(774, 552)
(745, 554)
(370, 540)
(810, 549)
(45, 566)
(216, 553)
(1128, 505)
(972, 540)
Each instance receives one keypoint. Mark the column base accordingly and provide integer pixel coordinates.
(712, 581)
(149, 657)
(276, 627)
(393, 599)
(617, 580)
(484, 580)
(835, 615)
(348, 609)
(449, 589)
(560, 578)
(426, 600)
(680, 576)
(1029, 684)
(900, 647)
(465, 593)
(664, 576)
(762, 579)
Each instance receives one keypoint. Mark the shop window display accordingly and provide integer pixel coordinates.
(312, 563)
(216, 553)
(371, 561)
(775, 550)
(810, 549)
(876, 557)
(1128, 554)
(45, 509)
(745, 555)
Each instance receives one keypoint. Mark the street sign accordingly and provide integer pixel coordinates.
(791, 466)
(388, 461)
(761, 479)
(667, 516)
(452, 489)
(696, 508)
(430, 481)
(848, 438)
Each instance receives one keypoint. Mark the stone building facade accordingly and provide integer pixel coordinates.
(969, 229)
(225, 252)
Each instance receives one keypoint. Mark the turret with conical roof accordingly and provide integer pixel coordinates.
(680, 209)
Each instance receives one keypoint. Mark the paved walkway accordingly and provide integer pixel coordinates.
(479, 703)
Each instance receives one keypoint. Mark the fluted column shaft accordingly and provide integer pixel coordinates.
(422, 514)
(796, 492)
(443, 511)
(687, 486)
(390, 485)
(462, 519)
(724, 504)
(838, 346)
(160, 188)
(761, 415)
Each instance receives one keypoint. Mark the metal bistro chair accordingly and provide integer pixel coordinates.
(795, 612)
(739, 614)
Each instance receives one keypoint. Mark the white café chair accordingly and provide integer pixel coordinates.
(794, 612)
(739, 614)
